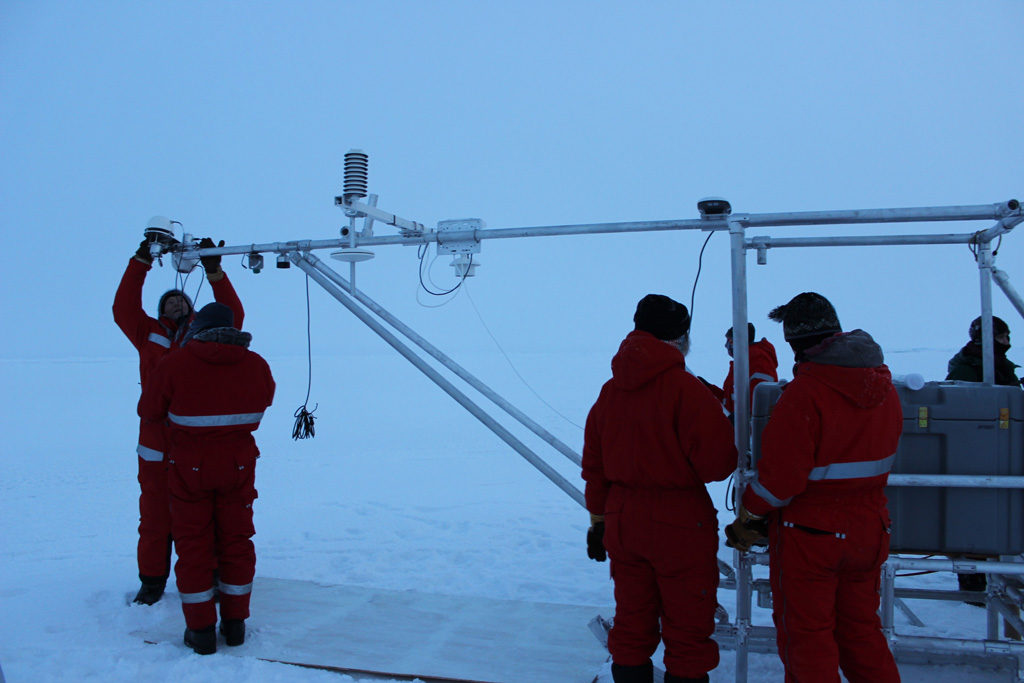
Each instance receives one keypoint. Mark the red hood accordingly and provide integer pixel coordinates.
(765, 350)
(863, 387)
(641, 358)
(850, 363)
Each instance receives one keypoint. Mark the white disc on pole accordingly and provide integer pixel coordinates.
(352, 255)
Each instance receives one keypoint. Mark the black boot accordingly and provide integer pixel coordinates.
(641, 673)
(972, 582)
(152, 590)
(669, 678)
(203, 641)
(233, 631)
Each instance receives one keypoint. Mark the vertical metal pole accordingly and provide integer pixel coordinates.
(993, 589)
(991, 622)
(888, 602)
(744, 590)
(741, 426)
(987, 348)
(352, 264)
(740, 343)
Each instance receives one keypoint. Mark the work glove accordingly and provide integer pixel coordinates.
(143, 253)
(211, 264)
(595, 539)
(746, 530)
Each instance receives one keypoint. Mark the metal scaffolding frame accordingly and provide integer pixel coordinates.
(466, 236)
(743, 635)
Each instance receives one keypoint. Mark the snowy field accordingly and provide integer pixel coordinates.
(236, 123)
(400, 489)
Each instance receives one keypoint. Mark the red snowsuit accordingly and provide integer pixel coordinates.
(827, 451)
(154, 338)
(654, 437)
(764, 367)
(212, 394)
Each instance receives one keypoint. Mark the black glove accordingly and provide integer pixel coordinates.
(143, 253)
(595, 542)
(211, 264)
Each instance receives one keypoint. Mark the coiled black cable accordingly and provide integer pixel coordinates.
(304, 427)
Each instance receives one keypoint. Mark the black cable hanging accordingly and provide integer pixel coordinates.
(304, 419)
(973, 245)
(423, 249)
(696, 279)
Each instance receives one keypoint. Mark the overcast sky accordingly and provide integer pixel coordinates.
(234, 119)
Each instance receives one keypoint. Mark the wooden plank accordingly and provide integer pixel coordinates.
(410, 634)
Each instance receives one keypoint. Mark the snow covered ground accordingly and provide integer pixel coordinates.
(400, 489)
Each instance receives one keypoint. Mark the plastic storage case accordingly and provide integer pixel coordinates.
(948, 428)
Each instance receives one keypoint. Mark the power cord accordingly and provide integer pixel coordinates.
(730, 486)
(920, 573)
(430, 279)
(422, 253)
(182, 282)
(973, 246)
(696, 279)
(304, 419)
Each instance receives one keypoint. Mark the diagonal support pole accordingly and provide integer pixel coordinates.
(561, 482)
(438, 355)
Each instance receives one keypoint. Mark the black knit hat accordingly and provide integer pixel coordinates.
(661, 316)
(211, 315)
(999, 326)
(806, 315)
(167, 295)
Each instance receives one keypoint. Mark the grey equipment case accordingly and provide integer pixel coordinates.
(949, 428)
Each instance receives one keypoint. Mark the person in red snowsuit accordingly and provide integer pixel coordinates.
(154, 338)
(653, 439)
(826, 454)
(764, 366)
(212, 393)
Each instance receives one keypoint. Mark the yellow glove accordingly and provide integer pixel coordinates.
(746, 530)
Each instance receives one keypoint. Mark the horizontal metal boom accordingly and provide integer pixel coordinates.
(957, 480)
(909, 215)
(856, 241)
(1008, 213)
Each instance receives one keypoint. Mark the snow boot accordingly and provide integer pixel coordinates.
(669, 678)
(974, 583)
(203, 641)
(233, 631)
(151, 591)
(641, 673)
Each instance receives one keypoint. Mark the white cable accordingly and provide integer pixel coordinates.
(440, 305)
(511, 365)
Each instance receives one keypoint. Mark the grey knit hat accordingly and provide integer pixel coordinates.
(808, 314)
(167, 295)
